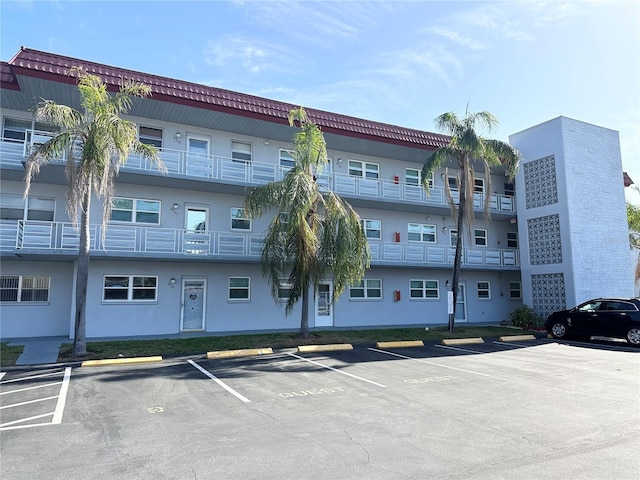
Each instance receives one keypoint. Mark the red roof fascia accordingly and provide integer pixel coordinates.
(627, 179)
(7, 78)
(34, 63)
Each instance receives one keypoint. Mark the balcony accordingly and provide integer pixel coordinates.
(36, 237)
(226, 170)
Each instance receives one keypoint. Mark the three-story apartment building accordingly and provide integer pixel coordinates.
(179, 253)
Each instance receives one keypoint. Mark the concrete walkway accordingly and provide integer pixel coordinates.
(39, 350)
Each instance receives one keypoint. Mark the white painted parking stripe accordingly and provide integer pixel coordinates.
(2, 374)
(50, 374)
(427, 362)
(4, 426)
(459, 349)
(518, 345)
(220, 382)
(336, 370)
(31, 388)
(62, 397)
(28, 402)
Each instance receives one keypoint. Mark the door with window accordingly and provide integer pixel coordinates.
(196, 238)
(324, 304)
(198, 162)
(461, 304)
(193, 305)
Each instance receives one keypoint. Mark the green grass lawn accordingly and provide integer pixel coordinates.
(201, 345)
(9, 355)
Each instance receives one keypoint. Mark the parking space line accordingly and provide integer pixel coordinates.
(220, 382)
(2, 374)
(516, 345)
(336, 370)
(459, 349)
(31, 388)
(13, 426)
(62, 397)
(20, 379)
(427, 362)
(28, 402)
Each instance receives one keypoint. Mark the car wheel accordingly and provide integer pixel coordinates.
(633, 336)
(559, 329)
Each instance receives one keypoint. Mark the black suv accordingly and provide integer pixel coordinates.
(602, 317)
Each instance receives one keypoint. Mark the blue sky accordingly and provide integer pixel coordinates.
(396, 62)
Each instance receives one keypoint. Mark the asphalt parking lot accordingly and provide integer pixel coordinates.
(500, 410)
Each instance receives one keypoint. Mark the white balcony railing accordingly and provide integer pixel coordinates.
(16, 236)
(227, 170)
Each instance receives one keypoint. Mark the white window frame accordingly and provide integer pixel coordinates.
(242, 218)
(368, 225)
(285, 287)
(15, 203)
(478, 186)
(135, 210)
(425, 287)
(368, 170)
(130, 288)
(483, 289)
(515, 288)
(453, 237)
(239, 289)
(367, 288)
(286, 160)
(512, 239)
(480, 238)
(22, 130)
(453, 183)
(425, 231)
(509, 189)
(145, 135)
(243, 155)
(41, 283)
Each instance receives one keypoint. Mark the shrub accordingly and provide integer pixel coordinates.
(524, 317)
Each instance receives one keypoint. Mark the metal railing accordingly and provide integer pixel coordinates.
(228, 170)
(43, 237)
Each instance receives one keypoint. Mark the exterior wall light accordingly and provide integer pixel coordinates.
(172, 282)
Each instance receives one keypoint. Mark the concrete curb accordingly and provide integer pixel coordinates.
(120, 361)
(400, 344)
(461, 341)
(325, 348)
(247, 352)
(516, 338)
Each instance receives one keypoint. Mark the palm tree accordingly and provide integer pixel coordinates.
(314, 233)
(96, 142)
(465, 149)
(633, 218)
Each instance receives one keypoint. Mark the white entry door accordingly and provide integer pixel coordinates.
(324, 304)
(193, 304)
(461, 304)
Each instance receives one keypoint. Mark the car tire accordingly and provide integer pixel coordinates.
(633, 336)
(558, 329)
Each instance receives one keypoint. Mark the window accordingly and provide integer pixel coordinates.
(453, 183)
(241, 152)
(478, 185)
(239, 220)
(512, 240)
(12, 207)
(286, 159)
(150, 136)
(515, 290)
(239, 288)
(483, 290)
(135, 210)
(371, 288)
(372, 228)
(421, 233)
(509, 189)
(424, 289)
(453, 237)
(130, 288)
(16, 130)
(284, 291)
(480, 237)
(364, 169)
(413, 177)
(24, 288)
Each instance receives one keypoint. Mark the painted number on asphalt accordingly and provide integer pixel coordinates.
(155, 410)
(313, 391)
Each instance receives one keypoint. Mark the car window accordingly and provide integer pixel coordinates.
(590, 306)
(624, 306)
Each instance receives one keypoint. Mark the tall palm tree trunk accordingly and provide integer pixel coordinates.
(457, 259)
(304, 320)
(82, 279)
